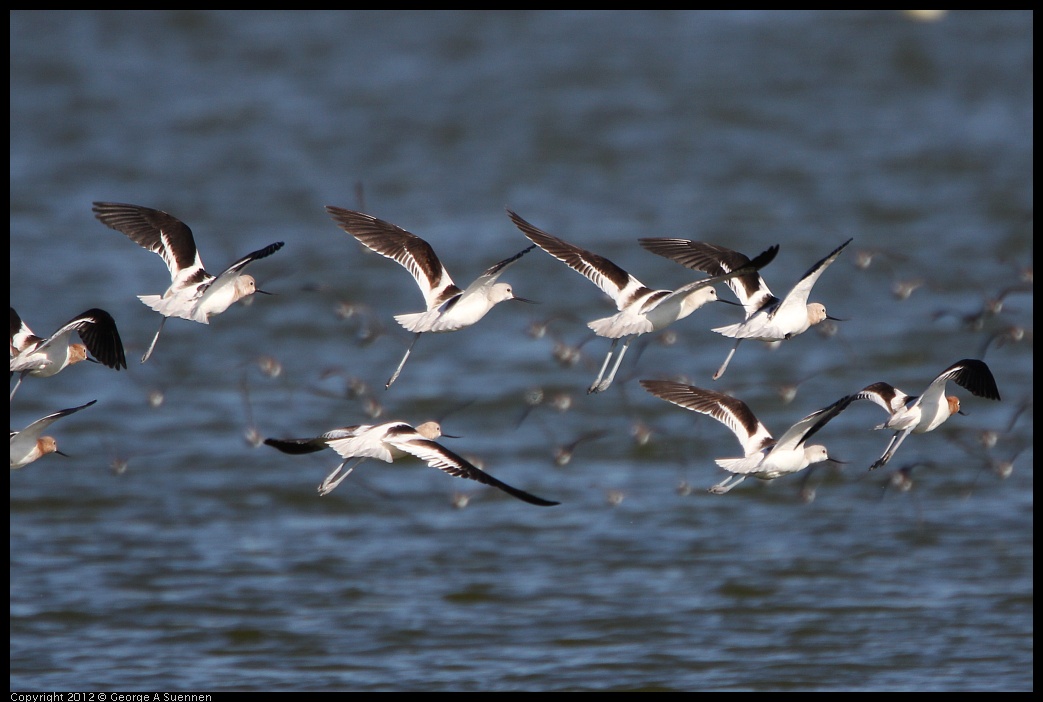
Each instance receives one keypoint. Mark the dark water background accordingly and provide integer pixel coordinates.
(170, 554)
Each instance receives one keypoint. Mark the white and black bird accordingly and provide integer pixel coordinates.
(449, 307)
(193, 294)
(919, 414)
(641, 309)
(35, 356)
(768, 318)
(389, 442)
(30, 445)
(763, 456)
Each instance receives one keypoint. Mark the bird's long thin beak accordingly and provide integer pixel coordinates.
(837, 460)
(728, 302)
(836, 319)
(523, 299)
(62, 454)
(263, 292)
(93, 360)
(450, 436)
(960, 411)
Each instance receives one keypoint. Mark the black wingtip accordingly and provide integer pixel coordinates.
(295, 446)
(270, 249)
(765, 258)
(533, 500)
(975, 377)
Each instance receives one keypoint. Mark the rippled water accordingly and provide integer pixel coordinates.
(169, 554)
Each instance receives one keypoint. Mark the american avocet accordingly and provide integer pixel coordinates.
(193, 294)
(389, 442)
(28, 445)
(764, 457)
(41, 358)
(641, 309)
(912, 414)
(767, 317)
(449, 307)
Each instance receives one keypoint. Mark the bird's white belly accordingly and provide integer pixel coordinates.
(42, 364)
(931, 418)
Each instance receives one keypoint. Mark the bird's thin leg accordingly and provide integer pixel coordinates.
(525, 413)
(896, 441)
(724, 366)
(727, 484)
(329, 483)
(601, 373)
(154, 340)
(619, 359)
(394, 376)
(15, 388)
